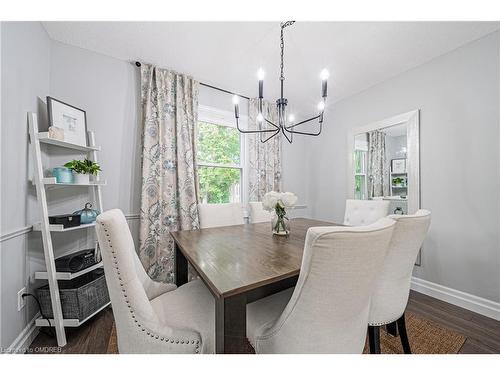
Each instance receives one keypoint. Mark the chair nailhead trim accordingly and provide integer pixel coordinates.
(157, 337)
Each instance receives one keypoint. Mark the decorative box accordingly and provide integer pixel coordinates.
(56, 133)
(67, 221)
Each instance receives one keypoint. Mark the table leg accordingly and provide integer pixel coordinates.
(181, 267)
(231, 324)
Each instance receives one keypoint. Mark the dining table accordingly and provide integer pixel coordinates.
(240, 264)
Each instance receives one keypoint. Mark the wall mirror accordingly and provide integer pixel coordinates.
(384, 163)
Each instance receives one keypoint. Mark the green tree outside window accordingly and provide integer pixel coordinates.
(218, 145)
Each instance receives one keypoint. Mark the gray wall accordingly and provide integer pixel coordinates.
(107, 89)
(25, 78)
(458, 95)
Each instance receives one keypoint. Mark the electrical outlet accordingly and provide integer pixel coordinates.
(21, 302)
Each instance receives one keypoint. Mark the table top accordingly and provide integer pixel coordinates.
(236, 259)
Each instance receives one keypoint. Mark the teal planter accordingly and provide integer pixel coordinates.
(63, 175)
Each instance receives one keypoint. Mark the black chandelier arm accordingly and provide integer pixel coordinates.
(252, 131)
(286, 135)
(271, 136)
(272, 124)
(302, 122)
(305, 133)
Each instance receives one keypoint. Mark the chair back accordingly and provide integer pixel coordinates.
(392, 287)
(364, 212)
(328, 310)
(258, 214)
(220, 215)
(124, 278)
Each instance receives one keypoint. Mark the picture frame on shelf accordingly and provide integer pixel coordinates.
(398, 165)
(69, 120)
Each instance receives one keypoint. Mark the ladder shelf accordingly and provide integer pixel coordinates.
(41, 322)
(43, 137)
(67, 275)
(37, 227)
(51, 182)
(42, 184)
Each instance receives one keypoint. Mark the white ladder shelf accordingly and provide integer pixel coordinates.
(42, 183)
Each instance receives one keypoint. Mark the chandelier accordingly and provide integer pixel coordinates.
(285, 125)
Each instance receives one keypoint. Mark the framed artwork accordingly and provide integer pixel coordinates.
(69, 120)
(398, 165)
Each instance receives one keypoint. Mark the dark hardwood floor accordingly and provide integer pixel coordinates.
(482, 333)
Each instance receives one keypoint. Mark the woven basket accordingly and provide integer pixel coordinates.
(80, 297)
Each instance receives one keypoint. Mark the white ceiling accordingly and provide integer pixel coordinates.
(228, 54)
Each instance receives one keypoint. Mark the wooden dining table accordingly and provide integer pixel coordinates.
(240, 264)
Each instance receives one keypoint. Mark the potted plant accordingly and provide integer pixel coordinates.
(279, 202)
(82, 169)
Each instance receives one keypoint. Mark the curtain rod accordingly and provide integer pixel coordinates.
(138, 64)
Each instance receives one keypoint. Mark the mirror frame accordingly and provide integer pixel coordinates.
(412, 120)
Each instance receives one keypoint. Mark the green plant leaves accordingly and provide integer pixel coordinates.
(85, 166)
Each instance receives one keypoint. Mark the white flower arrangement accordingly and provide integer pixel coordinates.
(278, 201)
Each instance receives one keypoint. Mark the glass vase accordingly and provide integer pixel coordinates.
(280, 225)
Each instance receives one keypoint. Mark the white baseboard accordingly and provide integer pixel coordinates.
(25, 338)
(479, 305)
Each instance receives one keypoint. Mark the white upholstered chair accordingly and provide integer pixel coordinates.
(392, 287)
(364, 212)
(151, 317)
(327, 311)
(258, 214)
(220, 215)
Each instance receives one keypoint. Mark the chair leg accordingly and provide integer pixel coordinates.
(374, 339)
(392, 329)
(403, 334)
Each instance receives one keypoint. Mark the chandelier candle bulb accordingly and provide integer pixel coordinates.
(260, 118)
(321, 106)
(236, 100)
(324, 82)
(260, 76)
(291, 119)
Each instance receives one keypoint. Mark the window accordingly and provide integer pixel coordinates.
(360, 185)
(220, 158)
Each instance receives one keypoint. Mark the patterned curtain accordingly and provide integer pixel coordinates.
(378, 169)
(264, 158)
(168, 196)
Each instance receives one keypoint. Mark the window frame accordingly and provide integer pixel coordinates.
(219, 117)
